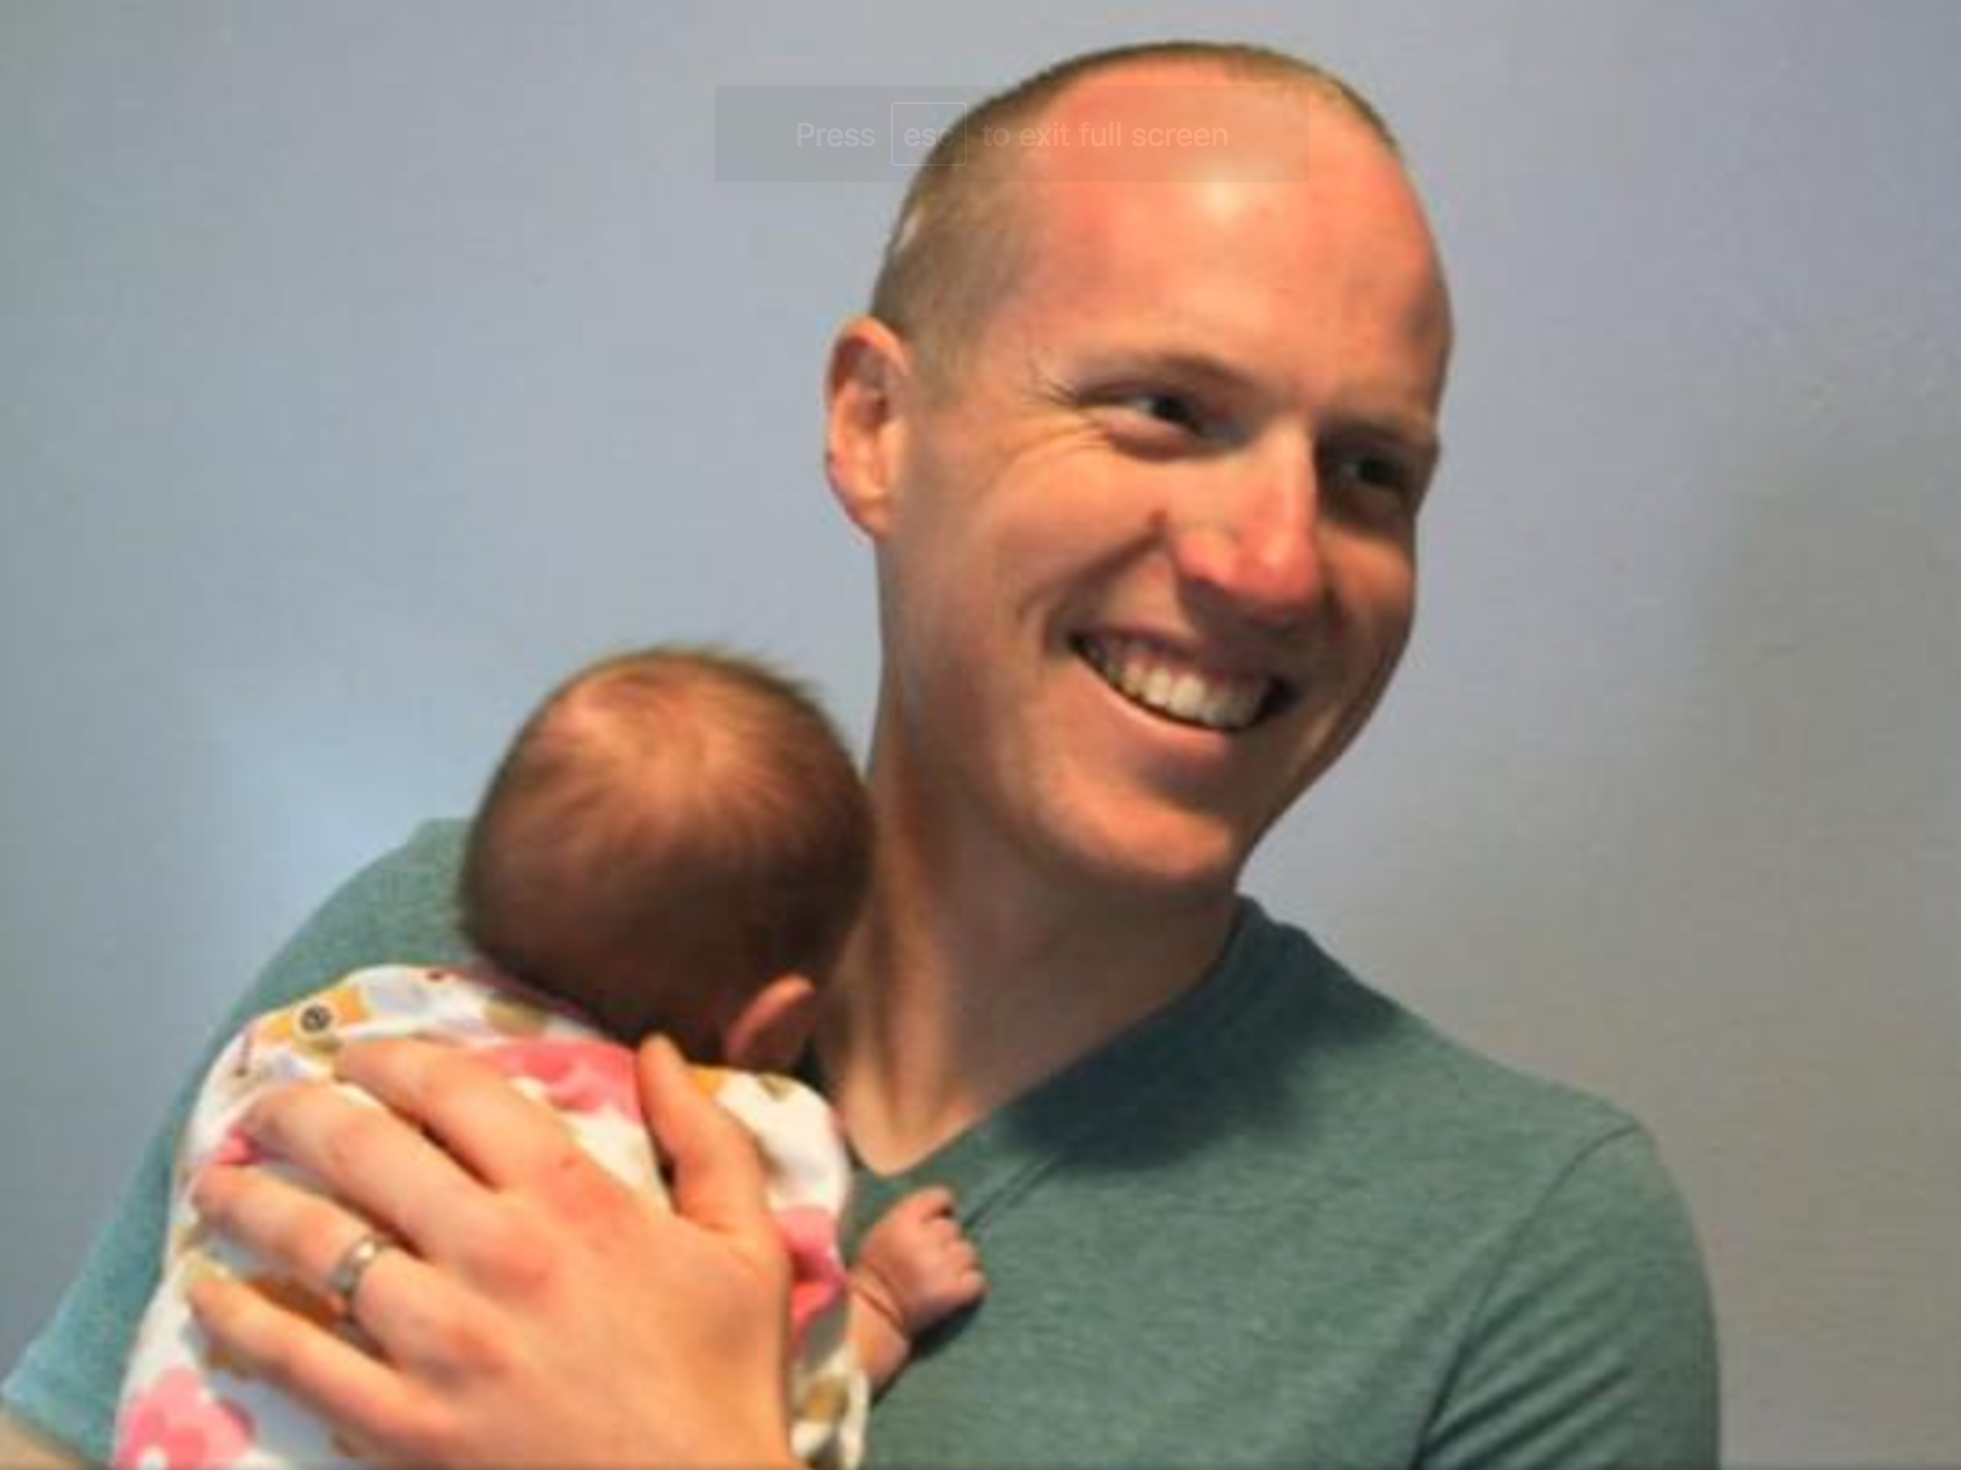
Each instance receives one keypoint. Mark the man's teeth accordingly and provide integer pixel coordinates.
(1165, 685)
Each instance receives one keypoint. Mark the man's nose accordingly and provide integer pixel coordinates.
(1251, 539)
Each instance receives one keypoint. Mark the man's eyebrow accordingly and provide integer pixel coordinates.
(1416, 431)
(1186, 364)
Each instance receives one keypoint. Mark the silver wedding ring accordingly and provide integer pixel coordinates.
(344, 1281)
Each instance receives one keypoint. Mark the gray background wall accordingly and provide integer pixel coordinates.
(363, 367)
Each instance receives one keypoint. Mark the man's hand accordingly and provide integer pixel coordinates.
(25, 1448)
(538, 1311)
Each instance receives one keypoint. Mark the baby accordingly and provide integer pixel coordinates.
(676, 842)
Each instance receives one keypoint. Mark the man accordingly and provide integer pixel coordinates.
(1141, 454)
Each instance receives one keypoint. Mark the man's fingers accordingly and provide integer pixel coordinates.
(305, 1239)
(501, 1136)
(294, 1231)
(718, 1175)
(366, 1156)
(343, 1384)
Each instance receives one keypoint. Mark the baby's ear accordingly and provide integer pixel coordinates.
(770, 1030)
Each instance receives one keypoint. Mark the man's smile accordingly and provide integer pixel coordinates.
(1173, 687)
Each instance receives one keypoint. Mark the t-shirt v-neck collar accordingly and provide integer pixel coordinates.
(993, 1163)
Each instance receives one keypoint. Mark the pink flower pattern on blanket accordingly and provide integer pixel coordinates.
(817, 1275)
(177, 1425)
(575, 1075)
(236, 1149)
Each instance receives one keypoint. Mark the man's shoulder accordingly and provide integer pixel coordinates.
(405, 894)
(400, 907)
(431, 858)
(1455, 1188)
(1367, 1068)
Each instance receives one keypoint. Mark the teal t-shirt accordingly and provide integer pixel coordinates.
(1282, 1222)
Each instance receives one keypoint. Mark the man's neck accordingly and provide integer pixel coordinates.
(974, 979)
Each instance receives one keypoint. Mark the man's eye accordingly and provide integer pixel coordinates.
(1379, 473)
(1160, 420)
(1168, 408)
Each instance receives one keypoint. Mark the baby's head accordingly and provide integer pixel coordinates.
(677, 841)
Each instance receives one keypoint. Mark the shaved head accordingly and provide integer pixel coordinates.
(961, 237)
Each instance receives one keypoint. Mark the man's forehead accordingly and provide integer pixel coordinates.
(1116, 155)
(1203, 264)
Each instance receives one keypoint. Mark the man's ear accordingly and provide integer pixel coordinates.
(864, 400)
(769, 1031)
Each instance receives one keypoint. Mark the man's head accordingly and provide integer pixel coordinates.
(958, 235)
(673, 833)
(1146, 529)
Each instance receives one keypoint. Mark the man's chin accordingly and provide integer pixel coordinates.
(1162, 869)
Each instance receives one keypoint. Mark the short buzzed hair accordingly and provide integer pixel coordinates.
(956, 243)
(671, 829)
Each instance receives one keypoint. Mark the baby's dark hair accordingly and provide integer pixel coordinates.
(672, 829)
